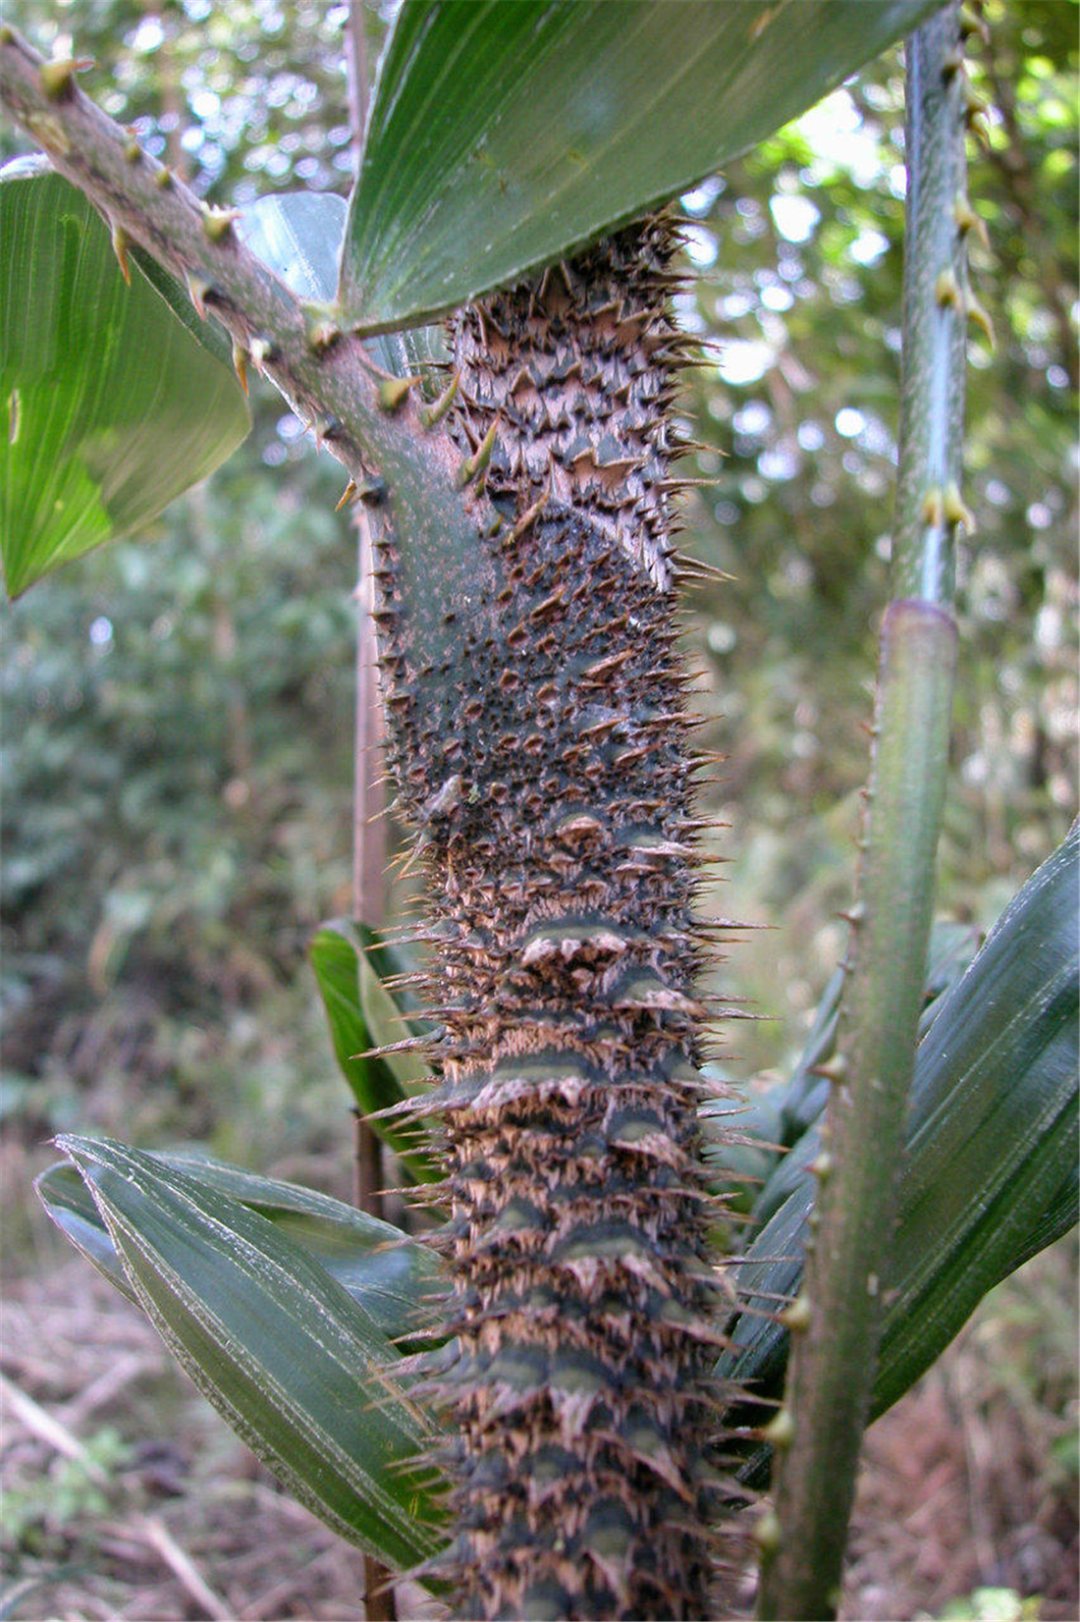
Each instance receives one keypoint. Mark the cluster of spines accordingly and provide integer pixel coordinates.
(542, 749)
(575, 374)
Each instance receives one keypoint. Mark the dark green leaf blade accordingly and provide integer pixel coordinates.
(501, 136)
(349, 986)
(395, 1279)
(281, 1350)
(111, 406)
(990, 1170)
(771, 1124)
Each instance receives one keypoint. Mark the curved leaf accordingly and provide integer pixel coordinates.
(501, 136)
(68, 1201)
(285, 1354)
(362, 1015)
(774, 1121)
(396, 1280)
(111, 403)
(989, 1175)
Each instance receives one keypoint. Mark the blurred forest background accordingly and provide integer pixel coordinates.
(177, 723)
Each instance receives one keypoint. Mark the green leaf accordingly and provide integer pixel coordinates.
(501, 136)
(395, 1279)
(285, 1354)
(68, 1201)
(771, 1123)
(989, 1175)
(362, 1015)
(388, 1017)
(112, 401)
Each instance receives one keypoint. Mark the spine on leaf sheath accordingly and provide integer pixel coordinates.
(536, 716)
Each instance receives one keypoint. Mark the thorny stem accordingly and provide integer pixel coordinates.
(369, 837)
(835, 1321)
(928, 506)
(323, 371)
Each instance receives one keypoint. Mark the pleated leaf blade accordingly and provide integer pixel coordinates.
(395, 1279)
(291, 1361)
(363, 1015)
(989, 1175)
(299, 235)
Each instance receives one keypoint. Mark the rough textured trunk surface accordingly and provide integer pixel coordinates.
(538, 725)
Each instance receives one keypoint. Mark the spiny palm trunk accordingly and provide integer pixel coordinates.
(541, 743)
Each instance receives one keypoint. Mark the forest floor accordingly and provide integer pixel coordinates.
(126, 1497)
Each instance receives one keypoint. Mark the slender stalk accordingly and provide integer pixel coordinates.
(938, 219)
(369, 827)
(835, 1321)
(356, 73)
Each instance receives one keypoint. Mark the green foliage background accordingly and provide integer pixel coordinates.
(177, 711)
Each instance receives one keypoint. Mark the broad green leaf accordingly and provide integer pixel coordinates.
(112, 404)
(395, 1279)
(284, 1353)
(501, 136)
(989, 1175)
(362, 1015)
